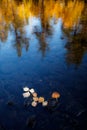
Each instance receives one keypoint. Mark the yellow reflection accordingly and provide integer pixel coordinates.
(16, 14)
(72, 13)
(11, 11)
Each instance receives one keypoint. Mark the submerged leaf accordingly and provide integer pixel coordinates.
(52, 103)
(31, 121)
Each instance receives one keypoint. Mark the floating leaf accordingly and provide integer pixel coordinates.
(55, 95)
(34, 94)
(35, 99)
(41, 99)
(26, 89)
(45, 103)
(32, 90)
(26, 95)
(34, 104)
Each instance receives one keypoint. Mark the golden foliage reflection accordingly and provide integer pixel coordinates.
(16, 13)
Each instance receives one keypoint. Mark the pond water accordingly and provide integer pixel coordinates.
(43, 45)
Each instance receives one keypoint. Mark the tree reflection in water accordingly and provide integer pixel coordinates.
(15, 15)
(77, 44)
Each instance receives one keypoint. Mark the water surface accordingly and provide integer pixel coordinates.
(43, 45)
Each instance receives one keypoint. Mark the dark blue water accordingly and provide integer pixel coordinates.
(47, 63)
